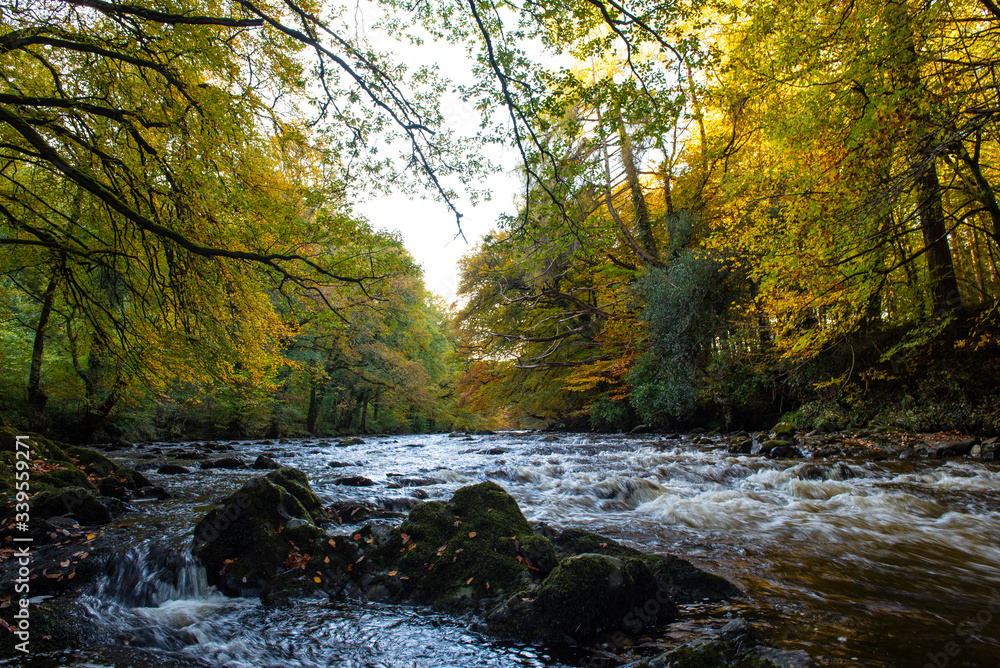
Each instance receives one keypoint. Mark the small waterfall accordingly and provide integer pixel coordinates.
(151, 574)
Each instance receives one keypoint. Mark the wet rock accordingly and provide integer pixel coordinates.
(339, 465)
(685, 582)
(355, 481)
(354, 512)
(415, 445)
(113, 488)
(495, 451)
(584, 596)
(767, 446)
(458, 553)
(399, 503)
(190, 454)
(783, 432)
(743, 447)
(173, 469)
(353, 440)
(837, 471)
(249, 549)
(549, 438)
(153, 492)
(81, 504)
(419, 482)
(264, 462)
(419, 494)
(956, 448)
(784, 451)
(826, 451)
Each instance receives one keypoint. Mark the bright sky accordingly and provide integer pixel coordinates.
(428, 227)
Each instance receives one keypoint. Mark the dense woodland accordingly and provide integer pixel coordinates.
(730, 211)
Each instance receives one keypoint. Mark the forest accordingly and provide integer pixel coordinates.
(730, 211)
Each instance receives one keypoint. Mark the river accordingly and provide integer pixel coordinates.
(885, 563)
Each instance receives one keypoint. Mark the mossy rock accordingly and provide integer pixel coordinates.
(81, 504)
(262, 540)
(586, 595)
(686, 582)
(296, 483)
(70, 476)
(477, 546)
(92, 462)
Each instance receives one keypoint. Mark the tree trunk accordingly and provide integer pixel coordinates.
(643, 224)
(944, 283)
(312, 416)
(36, 397)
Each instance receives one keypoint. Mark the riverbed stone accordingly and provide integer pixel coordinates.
(685, 582)
(956, 448)
(173, 469)
(263, 462)
(81, 504)
(454, 554)
(251, 546)
(356, 481)
(582, 597)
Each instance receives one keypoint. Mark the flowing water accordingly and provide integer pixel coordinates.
(891, 563)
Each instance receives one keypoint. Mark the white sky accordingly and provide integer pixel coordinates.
(428, 227)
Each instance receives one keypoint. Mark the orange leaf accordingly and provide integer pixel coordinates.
(472, 534)
(392, 574)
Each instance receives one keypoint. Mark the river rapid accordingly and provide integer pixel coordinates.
(881, 563)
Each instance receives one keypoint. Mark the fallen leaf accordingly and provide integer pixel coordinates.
(412, 545)
(469, 581)
(64, 564)
(458, 523)
(91, 536)
(332, 544)
(317, 579)
(405, 537)
(392, 574)
(472, 534)
(326, 560)
(370, 540)
(357, 536)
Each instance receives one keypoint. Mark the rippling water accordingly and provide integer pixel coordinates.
(882, 564)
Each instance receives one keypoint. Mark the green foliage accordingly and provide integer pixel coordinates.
(688, 311)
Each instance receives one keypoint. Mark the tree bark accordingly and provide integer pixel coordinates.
(36, 397)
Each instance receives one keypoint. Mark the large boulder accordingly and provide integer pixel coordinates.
(476, 547)
(264, 538)
(584, 596)
(685, 582)
(81, 504)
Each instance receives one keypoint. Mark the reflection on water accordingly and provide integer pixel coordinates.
(872, 563)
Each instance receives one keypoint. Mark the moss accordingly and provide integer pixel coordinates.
(94, 463)
(586, 595)
(462, 551)
(686, 582)
(59, 478)
(295, 483)
(256, 542)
